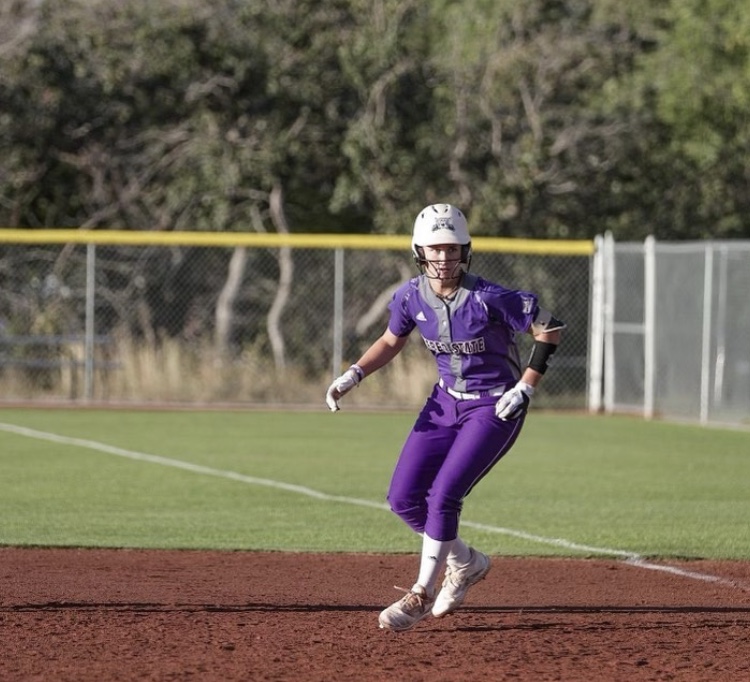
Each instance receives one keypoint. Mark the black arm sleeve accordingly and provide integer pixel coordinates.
(540, 355)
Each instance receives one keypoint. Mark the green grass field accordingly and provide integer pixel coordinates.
(574, 485)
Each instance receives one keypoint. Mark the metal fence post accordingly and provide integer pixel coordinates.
(708, 280)
(721, 331)
(609, 323)
(338, 310)
(88, 371)
(649, 326)
(596, 336)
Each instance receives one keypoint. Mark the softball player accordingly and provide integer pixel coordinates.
(475, 412)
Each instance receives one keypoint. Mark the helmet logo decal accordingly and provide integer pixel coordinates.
(443, 224)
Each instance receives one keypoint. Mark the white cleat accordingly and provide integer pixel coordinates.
(457, 582)
(407, 611)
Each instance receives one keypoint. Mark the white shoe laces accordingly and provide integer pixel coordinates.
(412, 601)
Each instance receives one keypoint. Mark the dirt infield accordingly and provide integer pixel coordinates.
(154, 615)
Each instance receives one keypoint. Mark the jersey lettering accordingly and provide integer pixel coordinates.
(456, 347)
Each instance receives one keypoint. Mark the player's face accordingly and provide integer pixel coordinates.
(443, 261)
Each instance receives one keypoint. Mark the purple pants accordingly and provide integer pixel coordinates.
(451, 447)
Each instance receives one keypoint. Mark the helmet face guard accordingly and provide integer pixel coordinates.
(441, 224)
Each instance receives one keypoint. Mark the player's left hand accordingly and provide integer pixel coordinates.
(342, 385)
(515, 402)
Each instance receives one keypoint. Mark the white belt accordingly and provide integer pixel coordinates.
(471, 396)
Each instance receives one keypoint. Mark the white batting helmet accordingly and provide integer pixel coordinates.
(440, 224)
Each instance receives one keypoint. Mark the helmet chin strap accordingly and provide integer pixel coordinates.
(457, 272)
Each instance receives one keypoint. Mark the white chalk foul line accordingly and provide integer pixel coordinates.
(185, 466)
(629, 558)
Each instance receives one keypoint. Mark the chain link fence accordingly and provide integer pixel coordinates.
(675, 323)
(244, 324)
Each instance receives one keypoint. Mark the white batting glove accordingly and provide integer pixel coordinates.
(515, 402)
(341, 386)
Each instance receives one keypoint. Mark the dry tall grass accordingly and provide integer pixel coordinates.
(170, 371)
(176, 372)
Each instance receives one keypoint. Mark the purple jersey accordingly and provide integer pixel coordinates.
(472, 335)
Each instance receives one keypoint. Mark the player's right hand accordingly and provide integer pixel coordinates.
(515, 402)
(342, 385)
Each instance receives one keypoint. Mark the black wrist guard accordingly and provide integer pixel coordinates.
(540, 356)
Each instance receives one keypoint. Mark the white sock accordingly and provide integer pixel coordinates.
(434, 554)
(460, 554)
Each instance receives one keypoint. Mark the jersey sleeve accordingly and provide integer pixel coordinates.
(401, 321)
(516, 309)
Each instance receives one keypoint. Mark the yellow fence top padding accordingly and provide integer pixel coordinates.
(559, 247)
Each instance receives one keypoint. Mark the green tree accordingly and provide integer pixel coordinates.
(386, 146)
(173, 115)
(550, 118)
(494, 106)
(694, 93)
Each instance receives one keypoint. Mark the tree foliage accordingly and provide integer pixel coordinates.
(549, 118)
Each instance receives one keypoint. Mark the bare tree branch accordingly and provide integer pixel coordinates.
(286, 273)
(226, 299)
